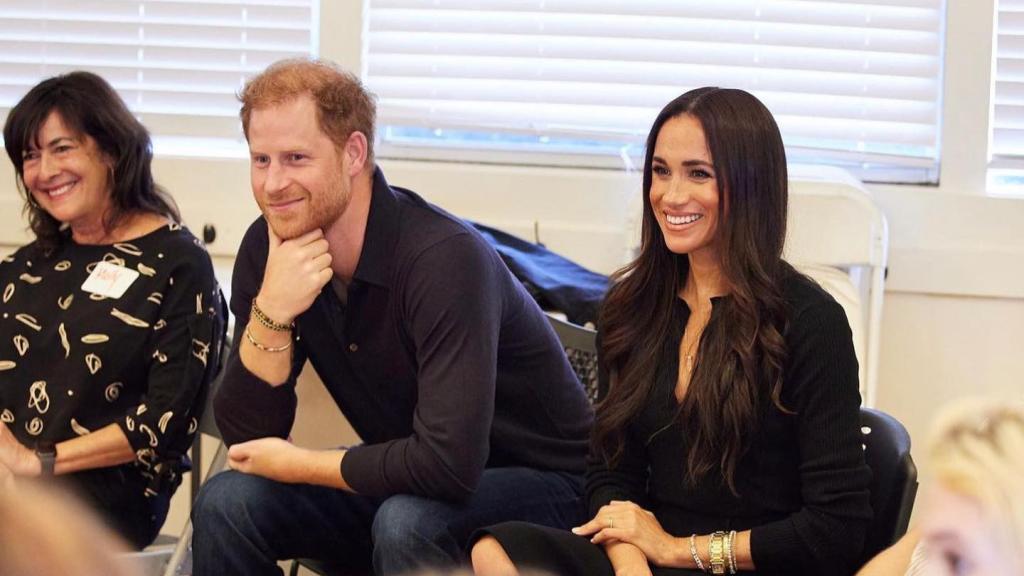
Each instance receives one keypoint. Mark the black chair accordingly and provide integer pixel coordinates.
(580, 345)
(893, 482)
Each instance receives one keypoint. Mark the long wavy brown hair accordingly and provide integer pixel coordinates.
(741, 351)
(89, 106)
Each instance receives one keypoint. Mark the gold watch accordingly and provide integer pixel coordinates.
(716, 551)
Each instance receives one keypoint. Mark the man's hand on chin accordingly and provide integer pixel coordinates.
(297, 269)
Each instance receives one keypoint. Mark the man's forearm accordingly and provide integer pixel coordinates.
(325, 469)
(295, 272)
(282, 461)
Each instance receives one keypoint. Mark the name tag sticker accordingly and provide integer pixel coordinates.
(109, 280)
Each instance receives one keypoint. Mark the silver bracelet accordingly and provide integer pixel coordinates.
(693, 552)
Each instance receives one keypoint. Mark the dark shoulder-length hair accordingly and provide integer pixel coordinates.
(739, 366)
(88, 105)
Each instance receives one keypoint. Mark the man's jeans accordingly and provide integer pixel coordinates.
(244, 524)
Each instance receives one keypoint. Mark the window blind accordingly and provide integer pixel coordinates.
(1007, 147)
(177, 63)
(851, 82)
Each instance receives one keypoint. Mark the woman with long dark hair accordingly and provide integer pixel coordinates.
(111, 320)
(727, 436)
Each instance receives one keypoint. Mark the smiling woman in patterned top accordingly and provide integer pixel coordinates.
(111, 320)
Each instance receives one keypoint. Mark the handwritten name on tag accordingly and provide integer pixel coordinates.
(109, 280)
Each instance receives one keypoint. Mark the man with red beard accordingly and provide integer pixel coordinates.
(434, 352)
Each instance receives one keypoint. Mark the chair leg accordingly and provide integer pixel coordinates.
(182, 554)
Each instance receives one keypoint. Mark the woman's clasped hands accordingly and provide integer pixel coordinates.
(625, 521)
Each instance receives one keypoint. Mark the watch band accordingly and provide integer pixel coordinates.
(46, 451)
(716, 551)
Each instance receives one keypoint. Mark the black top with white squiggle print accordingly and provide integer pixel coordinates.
(72, 362)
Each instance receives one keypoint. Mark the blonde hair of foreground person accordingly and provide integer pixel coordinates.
(973, 514)
(46, 533)
(974, 522)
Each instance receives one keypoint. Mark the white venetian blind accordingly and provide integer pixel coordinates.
(855, 82)
(177, 63)
(1008, 98)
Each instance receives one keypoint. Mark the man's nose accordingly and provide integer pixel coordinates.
(275, 178)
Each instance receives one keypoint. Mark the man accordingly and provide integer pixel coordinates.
(442, 363)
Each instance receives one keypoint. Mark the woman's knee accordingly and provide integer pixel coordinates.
(490, 559)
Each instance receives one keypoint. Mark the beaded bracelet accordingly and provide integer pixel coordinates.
(693, 552)
(731, 548)
(262, 347)
(266, 321)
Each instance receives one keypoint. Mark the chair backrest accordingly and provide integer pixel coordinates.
(207, 423)
(580, 345)
(834, 223)
(894, 478)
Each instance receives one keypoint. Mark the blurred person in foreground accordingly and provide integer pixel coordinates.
(47, 533)
(972, 521)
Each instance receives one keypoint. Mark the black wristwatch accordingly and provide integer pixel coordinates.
(47, 453)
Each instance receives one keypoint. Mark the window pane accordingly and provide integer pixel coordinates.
(171, 60)
(857, 80)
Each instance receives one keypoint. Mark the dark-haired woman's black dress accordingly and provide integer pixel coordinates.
(803, 484)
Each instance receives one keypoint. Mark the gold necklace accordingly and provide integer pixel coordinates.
(689, 354)
(689, 351)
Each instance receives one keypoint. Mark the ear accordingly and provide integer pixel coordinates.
(110, 163)
(354, 154)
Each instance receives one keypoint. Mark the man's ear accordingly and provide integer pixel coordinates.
(355, 153)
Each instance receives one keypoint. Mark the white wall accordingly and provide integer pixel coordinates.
(954, 306)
